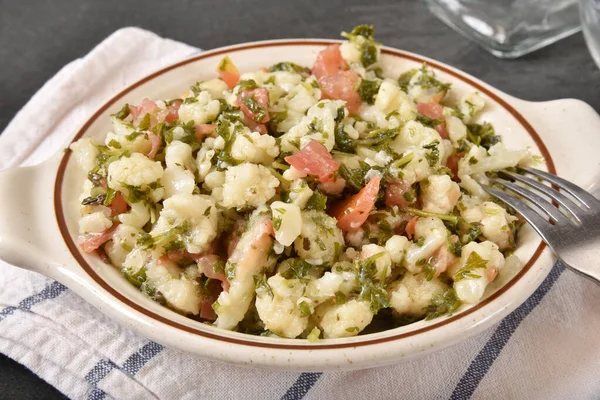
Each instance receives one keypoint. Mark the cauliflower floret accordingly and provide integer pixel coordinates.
(479, 160)
(391, 98)
(255, 148)
(319, 239)
(396, 247)
(279, 308)
(215, 87)
(177, 289)
(287, 222)
(300, 192)
(137, 216)
(350, 52)
(204, 162)
(191, 219)
(202, 111)
(291, 174)
(440, 194)
(214, 180)
(344, 320)
(136, 171)
(95, 222)
(456, 129)
(383, 263)
(473, 273)
(85, 152)
(123, 134)
(123, 241)
(414, 134)
(249, 258)
(318, 124)
(470, 105)
(179, 154)
(326, 287)
(177, 180)
(413, 293)
(494, 220)
(434, 233)
(248, 185)
(425, 88)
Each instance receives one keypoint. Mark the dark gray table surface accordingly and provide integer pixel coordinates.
(38, 38)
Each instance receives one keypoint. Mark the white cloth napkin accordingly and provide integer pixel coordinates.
(547, 349)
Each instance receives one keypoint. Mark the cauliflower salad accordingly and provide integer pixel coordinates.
(303, 202)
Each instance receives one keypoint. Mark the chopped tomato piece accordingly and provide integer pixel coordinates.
(228, 72)
(441, 129)
(352, 213)
(491, 273)
(434, 111)
(314, 159)
(205, 129)
(431, 110)
(329, 61)
(173, 111)
(119, 205)
(410, 227)
(138, 113)
(260, 96)
(342, 86)
(255, 126)
(399, 193)
(92, 241)
(206, 265)
(452, 164)
(156, 142)
(443, 259)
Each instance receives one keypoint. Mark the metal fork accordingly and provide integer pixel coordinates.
(571, 224)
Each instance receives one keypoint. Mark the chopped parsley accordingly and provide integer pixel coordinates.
(442, 304)
(473, 263)
(261, 284)
(123, 112)
(317, 201)
(254, 106)
(368, 90)
(290, 67)
(483, 135)
(370, 291)
(366, 43)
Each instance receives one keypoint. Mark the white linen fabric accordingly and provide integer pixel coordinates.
(546, 349)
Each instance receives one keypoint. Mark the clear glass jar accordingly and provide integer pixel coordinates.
(590, 22)
(510, 28)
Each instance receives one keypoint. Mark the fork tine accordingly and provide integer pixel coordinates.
(539, 201)
(580, 194)
(541, 225)
(555, 195)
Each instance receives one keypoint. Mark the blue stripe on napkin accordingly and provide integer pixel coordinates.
(49, 292)
(132, 365)
(488, 354)
(305, 381)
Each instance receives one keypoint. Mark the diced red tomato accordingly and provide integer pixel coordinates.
(228, 72)
(119, 205)
(342, 86)
(410, 227)
(314, 159)
(434, 111)
(261, 96)
(441, 129)
(452, 164)
(352, 213)
(443, 259)
(395, 191)
(92, 241)
(431, 110)
(329, 61)
(173, 111)
(491, 273)
(255, 126)
(205, 129)
(156, 142)
(147, 106)
(206, 264)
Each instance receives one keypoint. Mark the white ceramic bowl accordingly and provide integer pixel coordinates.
(39, 212)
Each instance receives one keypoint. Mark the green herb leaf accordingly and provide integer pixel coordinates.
(317, 201)
(404, 79)
(260, 283)
(145, 122)
(473, 263)
(290, 67)
(368, 90)
(254, 106)
(304, 308)
(294, 268)
(123, 113)
(370, 291)
(444, 304)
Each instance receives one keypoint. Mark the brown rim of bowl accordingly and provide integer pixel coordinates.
(73, 248)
